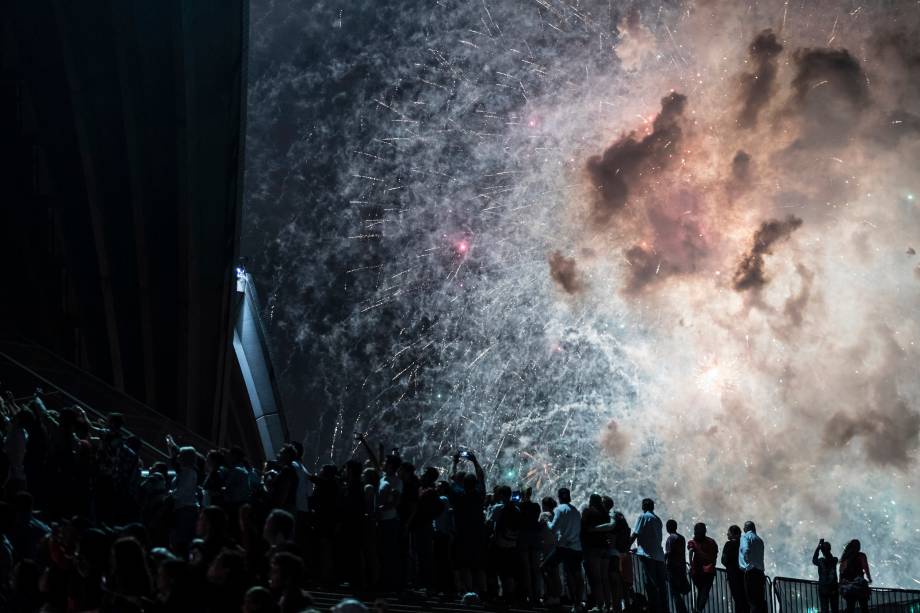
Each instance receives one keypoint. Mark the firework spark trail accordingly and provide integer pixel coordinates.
(451, 149)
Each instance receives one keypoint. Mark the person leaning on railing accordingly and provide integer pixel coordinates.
(735, 575)
(855, 577)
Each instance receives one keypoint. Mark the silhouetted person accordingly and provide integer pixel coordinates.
(388, 524)
(467, 498)
(504, 522)
(594, 548)
(647, 536)
(855, 577)
(675, 547)
(734, 572)
(552, 584)
(529, 547)
(750, 561)
(704, 552)
(566, 525)
(828, 588)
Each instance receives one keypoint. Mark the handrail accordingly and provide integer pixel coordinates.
(782, 595)
(795, 595)
(86, 406)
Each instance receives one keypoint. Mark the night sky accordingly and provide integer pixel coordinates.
(649, 249)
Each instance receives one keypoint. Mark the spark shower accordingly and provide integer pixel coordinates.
(660, 249)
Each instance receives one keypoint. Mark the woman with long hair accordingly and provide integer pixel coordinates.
(855, 577)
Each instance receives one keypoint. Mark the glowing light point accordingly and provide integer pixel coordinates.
(463, 247)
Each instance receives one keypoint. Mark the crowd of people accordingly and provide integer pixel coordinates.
(86, 526)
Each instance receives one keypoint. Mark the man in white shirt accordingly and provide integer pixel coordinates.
(750, 561)
(566, 526)
(647, 536)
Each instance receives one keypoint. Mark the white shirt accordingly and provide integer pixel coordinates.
(750, 552)
(566, 525)
(648, 531)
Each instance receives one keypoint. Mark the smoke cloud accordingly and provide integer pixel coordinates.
(758, 87)
(564, 271)
(622, 167)
(750, 271)
(747, 345)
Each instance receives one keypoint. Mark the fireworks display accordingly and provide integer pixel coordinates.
(648, 249)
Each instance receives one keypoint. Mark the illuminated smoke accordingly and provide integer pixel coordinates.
(590, 332)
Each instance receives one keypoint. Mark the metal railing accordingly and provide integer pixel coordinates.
(782, 595)
(720, 596)
(799, 595)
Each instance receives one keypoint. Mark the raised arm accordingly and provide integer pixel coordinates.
(370, 452)
(480, 474)
(814, 558)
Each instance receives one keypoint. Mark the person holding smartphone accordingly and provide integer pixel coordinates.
(828, 587)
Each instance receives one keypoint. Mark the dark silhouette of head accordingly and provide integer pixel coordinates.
(503, 494)
(648, 505)
(750, 527)
(392, 464)
(430, 476)
(852, 548)
(671, 526)
(470, 483)
(565, 496)
(297, 447)
(826, 549)
(594, 500)
(699, 530)
(608, 503)
(734, 533)
(548, 504)
(287, 454)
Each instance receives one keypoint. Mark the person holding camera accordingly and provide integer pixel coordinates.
(467, 497)
(828, 588)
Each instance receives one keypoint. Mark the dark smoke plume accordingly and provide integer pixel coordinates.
(830, 92)
(645, 267)
(564, 271)
(888, 438)
(750, 273)
(741, 166)
(758, 87)
(621, 166)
